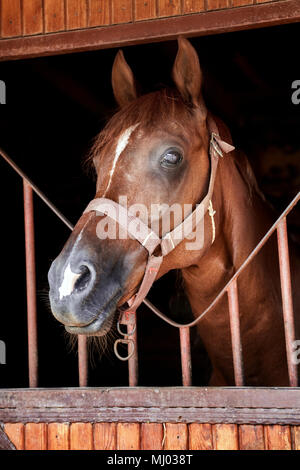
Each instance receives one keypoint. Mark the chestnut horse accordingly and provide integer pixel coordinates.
(155, 150)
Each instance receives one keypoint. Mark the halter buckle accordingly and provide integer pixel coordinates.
(214, 143)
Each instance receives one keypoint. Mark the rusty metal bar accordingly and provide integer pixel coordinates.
(133, 370)
(30, 275)
(234, 316)
(186, 362)
(287, 301)
(30, 285)
(82, 361)
(36, 189)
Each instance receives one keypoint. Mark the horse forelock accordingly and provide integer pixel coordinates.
(150, 111)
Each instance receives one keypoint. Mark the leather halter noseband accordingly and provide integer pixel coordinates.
(147, 237)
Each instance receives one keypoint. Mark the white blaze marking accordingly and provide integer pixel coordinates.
(68, 282)
(70, 278)
(121, 145)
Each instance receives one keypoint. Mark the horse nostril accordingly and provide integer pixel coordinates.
(84, 279)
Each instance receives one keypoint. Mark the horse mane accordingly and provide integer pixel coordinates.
(246, 172)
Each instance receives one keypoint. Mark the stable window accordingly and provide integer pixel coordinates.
(65, 101)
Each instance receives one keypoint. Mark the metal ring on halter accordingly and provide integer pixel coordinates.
(124, 341)
(125, 334)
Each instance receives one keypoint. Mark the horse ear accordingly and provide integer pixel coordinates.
(123, 82)
(187, 73)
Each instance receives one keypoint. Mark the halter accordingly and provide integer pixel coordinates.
(168, 242)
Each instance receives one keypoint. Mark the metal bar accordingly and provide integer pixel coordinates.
(30, 285)
(32, 338)
(185, 350)
(287, 302)
(133, 369)
(82, 361)
(36, 189)
(234, 316)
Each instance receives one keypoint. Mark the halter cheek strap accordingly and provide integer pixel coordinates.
(149, 239)
(141, 232)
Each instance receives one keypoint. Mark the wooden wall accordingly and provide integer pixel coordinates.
(152, 436)
(33, 17)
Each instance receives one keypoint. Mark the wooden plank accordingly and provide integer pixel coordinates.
(200, 436)
(197, 397)
(157, 405)
(278, 437)
(205, 23)
(105, 436)
(121, 11)
(251, 437)
(81, 436)
(5, 442)
(33, 17)
(152, 435)
(176, 436)
(296, 437)
(216, 4)
(128, 436)
(169, 7)
(11, 22)
(193, 6)
(35, 436)
(144, 10)
(240, 3)
(54, 13)
(76, 14)
(153, 415)
(15, 432)
(58, 436)
(225, 436)
(99, 12)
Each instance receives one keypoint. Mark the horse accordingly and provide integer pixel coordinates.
(155, 151)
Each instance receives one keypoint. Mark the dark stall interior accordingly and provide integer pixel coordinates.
(55, 106)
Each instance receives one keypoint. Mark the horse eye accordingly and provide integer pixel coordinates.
(171, 158)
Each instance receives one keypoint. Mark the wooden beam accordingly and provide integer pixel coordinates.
(197, 397)
(205, 23)
(154, 405)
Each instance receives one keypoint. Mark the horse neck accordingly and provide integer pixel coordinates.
(242, 218)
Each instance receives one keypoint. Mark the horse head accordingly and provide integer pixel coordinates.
(154, 152)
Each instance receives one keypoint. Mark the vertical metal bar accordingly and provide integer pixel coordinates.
(30, 284)
(235, 331)
(133, 370)
(287, 302)
(185, 350)
(82, 361)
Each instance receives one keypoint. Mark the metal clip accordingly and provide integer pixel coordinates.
(214, 143)
(124, 341)
(126, 318)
